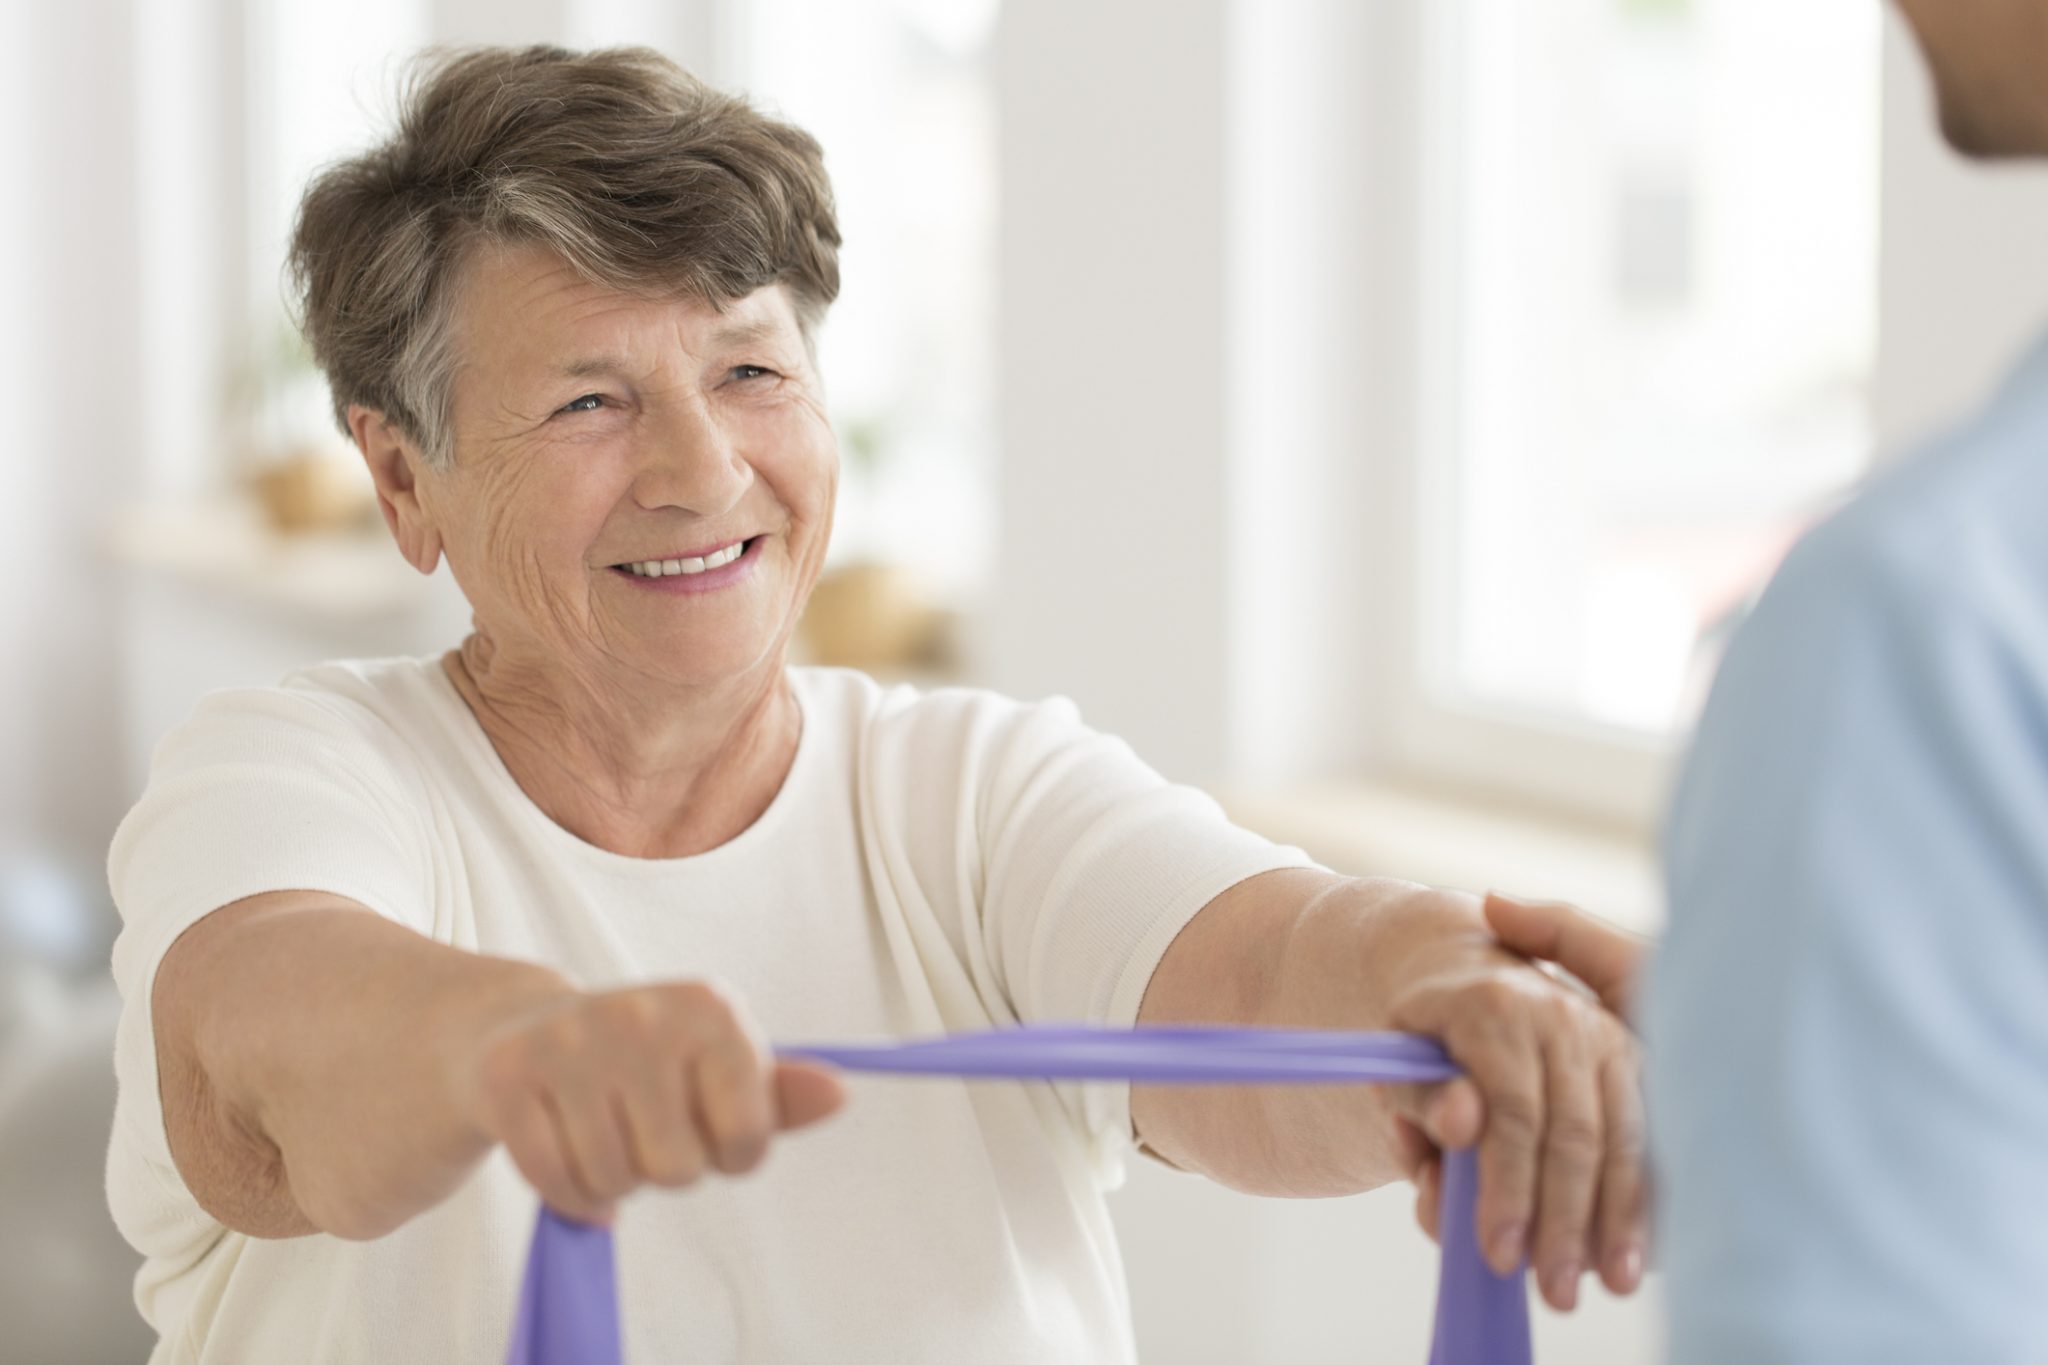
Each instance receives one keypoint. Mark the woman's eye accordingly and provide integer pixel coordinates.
(750, 371)
(589, 402)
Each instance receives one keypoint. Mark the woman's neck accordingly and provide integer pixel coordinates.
(636, 773)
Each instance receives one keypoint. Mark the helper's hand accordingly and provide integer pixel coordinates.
(1550, 1095)
(597, 1094)
(1609, 960)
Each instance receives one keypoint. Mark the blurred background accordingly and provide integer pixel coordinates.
(1375, 410)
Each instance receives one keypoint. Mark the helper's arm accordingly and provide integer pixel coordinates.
(1551, 1093)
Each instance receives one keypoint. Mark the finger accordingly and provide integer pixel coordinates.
(1429, 1191)
(1624, 1180)
(1509, 1078)
(1604, 957)
(526, 1125)
(1448, 1114)
(805, 1093)
(661, 1137)
(1412, 1147)
(733, 1106)
(1492, 1040)
(593, 1139)
(1573, 1146)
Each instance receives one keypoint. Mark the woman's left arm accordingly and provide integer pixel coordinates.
(1550, 1092)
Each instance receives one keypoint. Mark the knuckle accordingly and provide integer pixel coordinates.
(1575, 1143)
(710, 999)
(742, 1153)
(1494, 1000)
(563, 1195)
(1566, 1020)
(612, 1180)
(675, 1166)
(633, 1017)
(1623, 1052)
(561, 1035)
(1628, 1145)
(731, 1069)
(506, 1067)
(703, 1009)
(538, 1163)
(1514, 1121)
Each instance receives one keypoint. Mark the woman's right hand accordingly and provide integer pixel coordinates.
(595, 1094)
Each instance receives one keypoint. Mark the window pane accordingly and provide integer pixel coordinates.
(899, 93)
(1662, 269)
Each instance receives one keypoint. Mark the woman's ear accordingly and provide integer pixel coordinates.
(395, 469)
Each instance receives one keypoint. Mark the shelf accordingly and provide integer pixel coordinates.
(1362, 828)
(225, 544)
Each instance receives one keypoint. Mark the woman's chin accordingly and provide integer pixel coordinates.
(694, 662)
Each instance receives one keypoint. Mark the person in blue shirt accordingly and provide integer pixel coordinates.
(1847, 1021)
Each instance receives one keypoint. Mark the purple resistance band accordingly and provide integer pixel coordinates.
(568, 1308)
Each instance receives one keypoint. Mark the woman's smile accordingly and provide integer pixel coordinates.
(697, 572)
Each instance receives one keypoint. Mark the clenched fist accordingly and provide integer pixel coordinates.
(596, 1094)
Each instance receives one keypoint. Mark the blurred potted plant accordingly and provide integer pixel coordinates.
(299, 469)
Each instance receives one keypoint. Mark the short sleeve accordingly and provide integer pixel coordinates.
(1848, 1019)
(1092, 863)
(260, 790)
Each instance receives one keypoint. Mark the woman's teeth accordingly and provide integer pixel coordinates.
(668, 568)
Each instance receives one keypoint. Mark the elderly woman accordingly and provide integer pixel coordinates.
(408, 941)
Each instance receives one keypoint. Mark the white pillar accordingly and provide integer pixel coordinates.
(73, 289)
(509, 22)
(1112, 414)
(1206, 370)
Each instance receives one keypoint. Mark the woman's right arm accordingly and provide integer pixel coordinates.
(324, 1069)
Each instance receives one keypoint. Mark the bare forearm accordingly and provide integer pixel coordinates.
(326, 1045)
(1296, 949)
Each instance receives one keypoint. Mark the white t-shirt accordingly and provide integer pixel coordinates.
(934, 862)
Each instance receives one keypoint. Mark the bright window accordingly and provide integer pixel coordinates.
(1654, 318)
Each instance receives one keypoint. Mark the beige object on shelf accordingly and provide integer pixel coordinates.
(876, 617)
(314, 489)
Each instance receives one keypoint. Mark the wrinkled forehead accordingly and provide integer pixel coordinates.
(516, 306)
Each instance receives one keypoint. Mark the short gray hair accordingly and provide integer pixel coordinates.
(641, 176)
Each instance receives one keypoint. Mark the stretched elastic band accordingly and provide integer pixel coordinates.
(568, 1307)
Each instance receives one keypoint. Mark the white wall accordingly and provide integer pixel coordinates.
(1963, 279)
(1113, 424)
(1207, 288)
(73, 429)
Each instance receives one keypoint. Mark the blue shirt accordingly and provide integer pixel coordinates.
(1848, 1018)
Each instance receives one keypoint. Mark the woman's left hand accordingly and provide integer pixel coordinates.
(1551, 1095)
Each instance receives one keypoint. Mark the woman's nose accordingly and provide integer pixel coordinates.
(689, 461)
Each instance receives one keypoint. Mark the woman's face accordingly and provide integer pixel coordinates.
(597, 434)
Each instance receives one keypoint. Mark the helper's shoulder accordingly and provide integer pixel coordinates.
(1961, 517)
(1950, 536)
